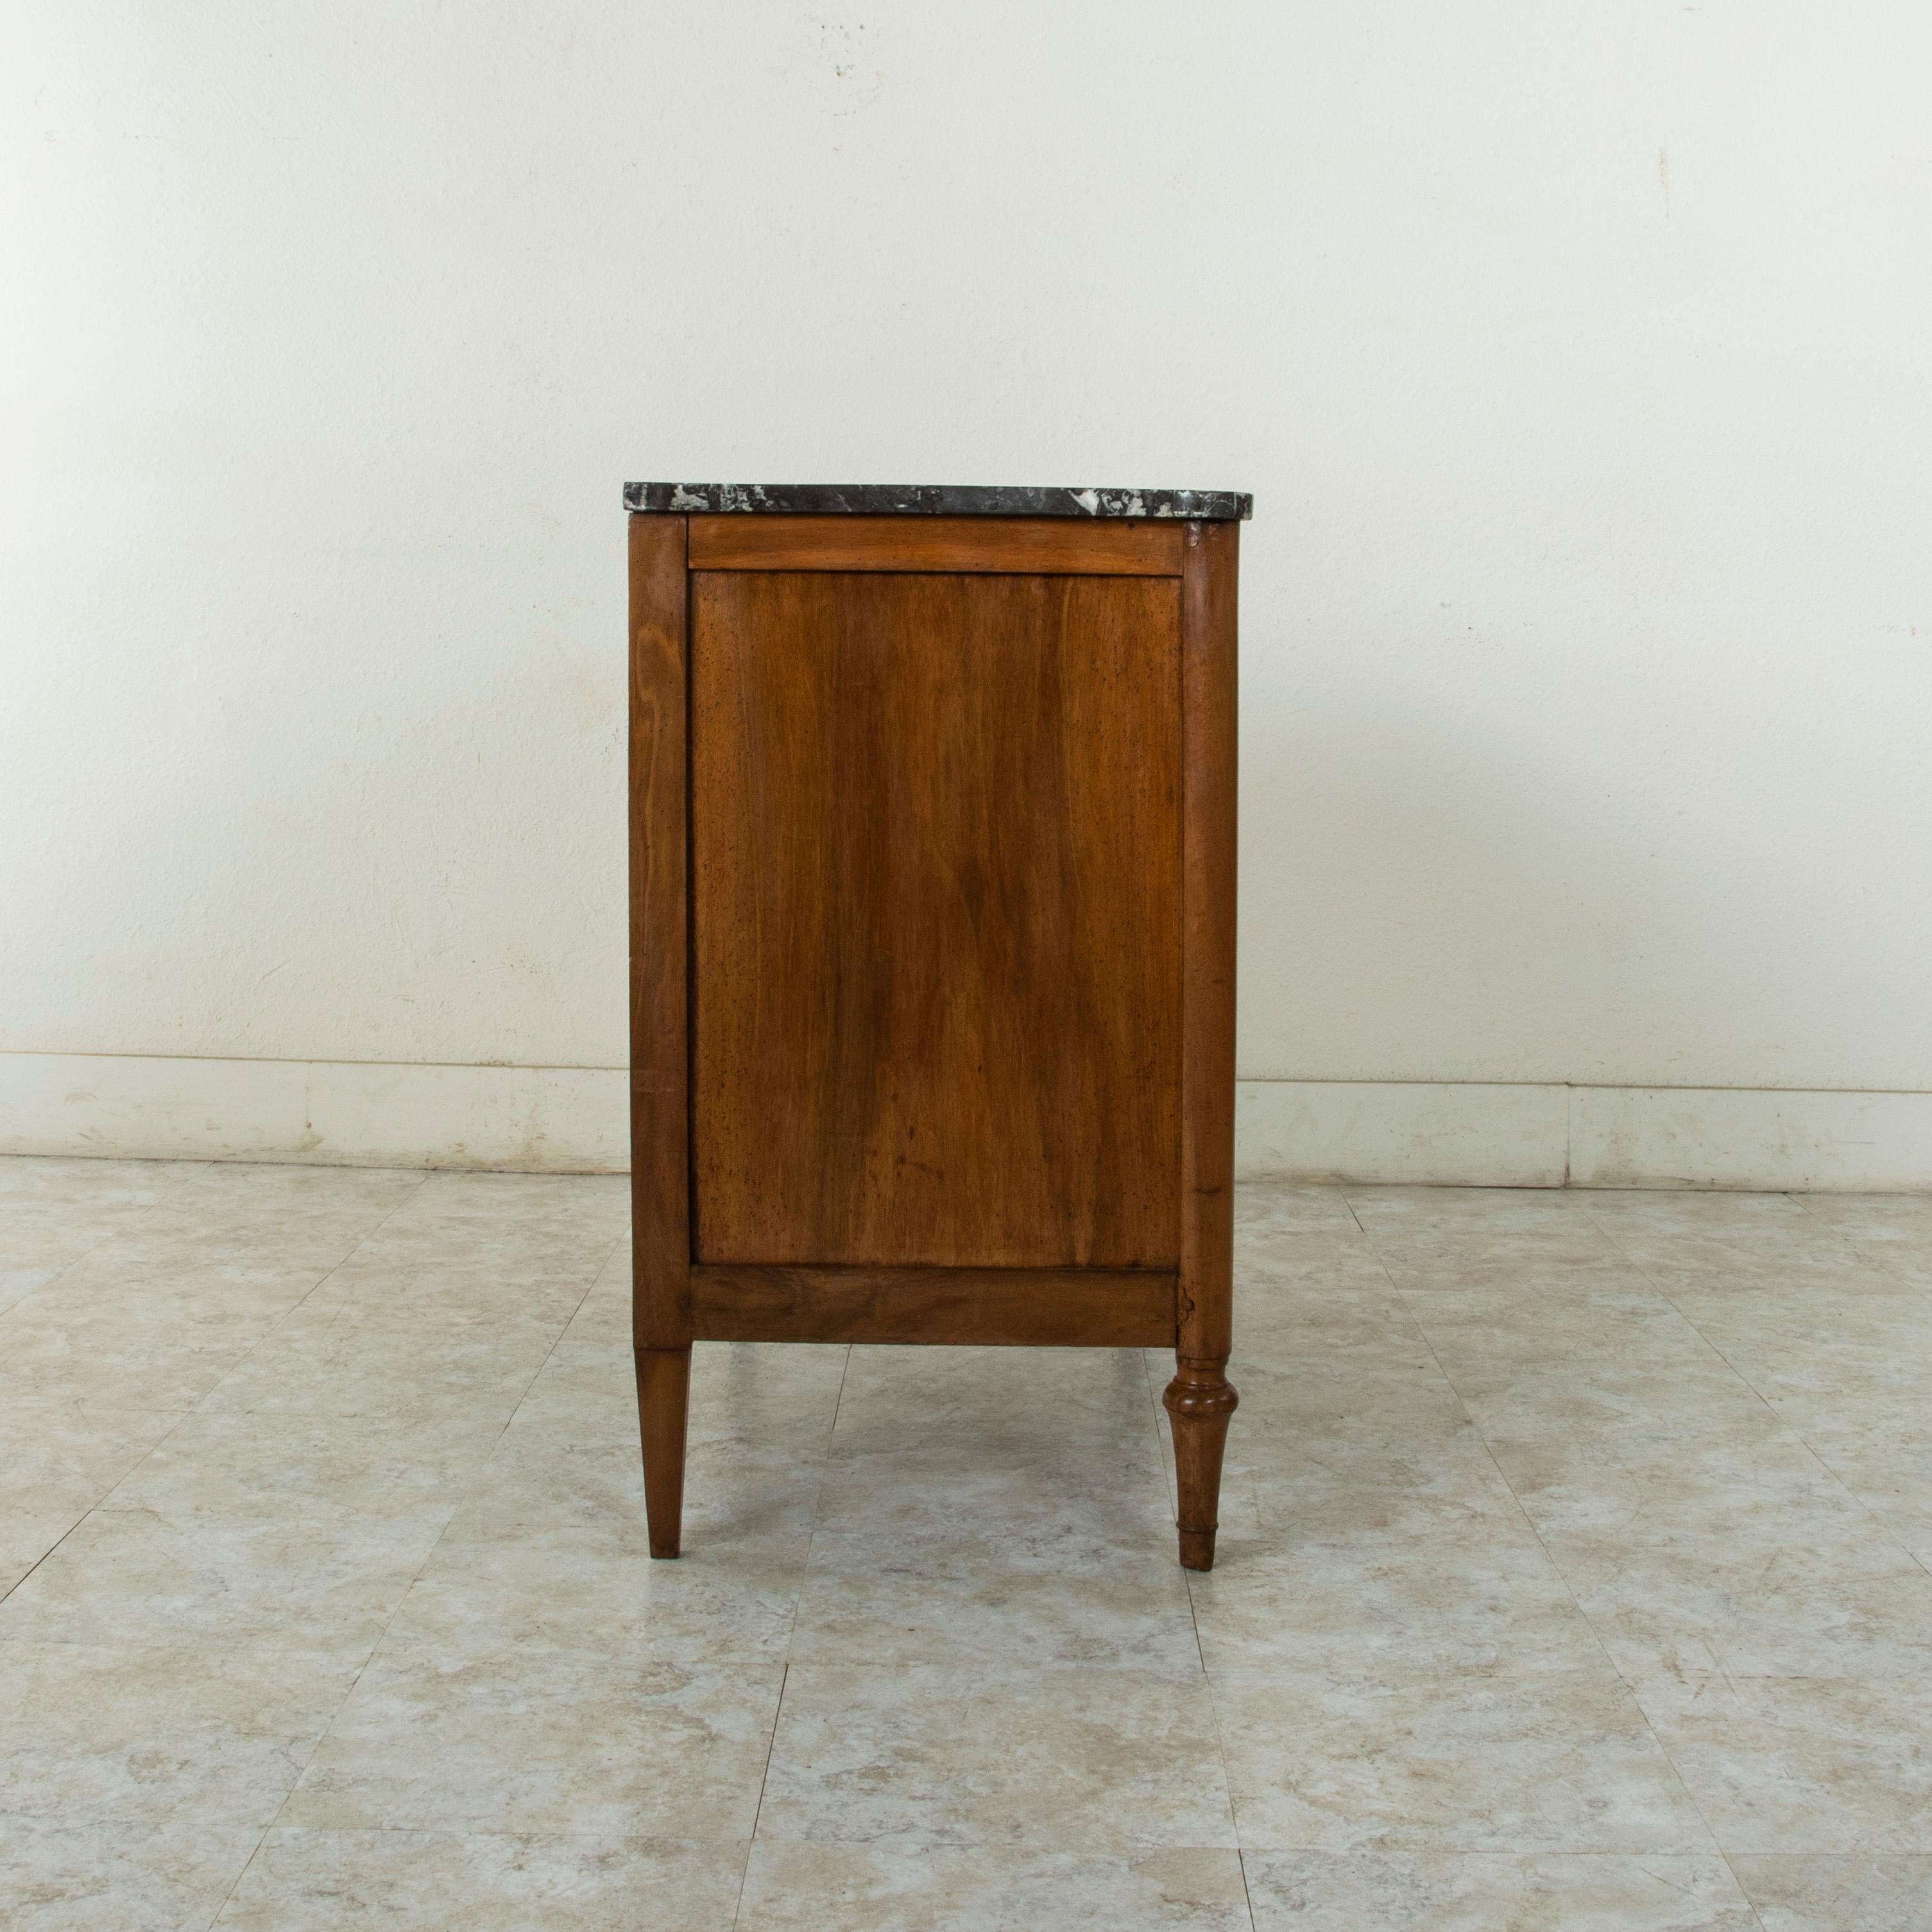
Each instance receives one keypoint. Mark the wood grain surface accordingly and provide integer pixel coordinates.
(1090, 1308)
(936, 842)
(991, 543)
(660, 1157)
(1200, 1400)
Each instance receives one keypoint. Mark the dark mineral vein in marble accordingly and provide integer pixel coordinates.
(880, 499)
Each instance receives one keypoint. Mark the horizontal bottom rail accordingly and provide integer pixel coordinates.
(1081, 1308)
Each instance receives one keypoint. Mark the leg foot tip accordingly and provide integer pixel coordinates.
(663, 1553)
(1197, 1550)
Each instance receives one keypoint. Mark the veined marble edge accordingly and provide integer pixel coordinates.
(942, 500)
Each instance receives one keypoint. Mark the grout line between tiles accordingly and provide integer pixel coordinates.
(764, 1778)
(184, 1415)
(1194, 1619)
(817, 1497)
(791, 1635)
(322, 1734)
(403, 1595)
(1859, 1249)
(354, 1248)
(1241, 1865)
(1186, 1576)
(1529, 1521)
(1880, 1530)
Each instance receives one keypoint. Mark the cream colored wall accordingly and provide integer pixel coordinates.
(1575, 357)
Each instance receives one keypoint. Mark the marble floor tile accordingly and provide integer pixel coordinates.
(1741, 1237)
(1290, 1251)
(1871, 1220)
(559, 1221)
(1041, 1595)
(1364, 1478)
(1813, 1370)
(1371, 1607)
(311, 1881)
(723, 1599)
(476, 1249)
(1793, 1764)
(102, 1358)
(1353, 1312)
(145, 1876)
(1290, 1207)
(1846, 1892)
(448, 1303)
(759, 1436)
(262, 1428)
(1476, 1891)
(741, 1392)
(188, 1289)
(1696, 1211)
(310, 1367)
(1093, 1761)
(55, 1465)
(1909, 1263)
(1289, 1397)
(1744, 1258)
(1475, 1237)
(529, 1738)
(124, 1740)
(1488, 1339)
(587, 1201)
(236, 1462)
(1838, 1607)
(187, 1239)
(26, 1266)
(283, 1188)
(603, 1317)
(1401, 1210)
(133, 1578)
(1055, 1411)
(1751, 1483)
(1575, 1253)
(1885, 1460)
(1699, 1396)
(806, 1888)
(749, 1503)
(1475, 1761)
(1094, 1504)
(103, 1189)
(55, 1214)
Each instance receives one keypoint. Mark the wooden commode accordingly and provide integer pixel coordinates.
(932, 933)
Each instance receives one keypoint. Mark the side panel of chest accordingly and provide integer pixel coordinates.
(936, 918)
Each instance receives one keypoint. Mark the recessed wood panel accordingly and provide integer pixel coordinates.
(935, 843)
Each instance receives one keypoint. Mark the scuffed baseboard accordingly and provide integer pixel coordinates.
(539, 1120)
(572, 1119)
(1474, 1135)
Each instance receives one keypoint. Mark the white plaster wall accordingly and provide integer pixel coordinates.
(1576, 357)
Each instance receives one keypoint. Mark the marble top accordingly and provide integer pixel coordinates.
(942, 500)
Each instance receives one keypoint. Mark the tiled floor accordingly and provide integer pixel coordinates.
(1575, 1573)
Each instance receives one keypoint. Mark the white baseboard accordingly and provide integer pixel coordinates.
(1479, 1136)
(1422, 1132)
(558, 1120)
(573, 1119)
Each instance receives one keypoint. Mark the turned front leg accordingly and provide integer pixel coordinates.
(664, 1404)
(1198, 1402)
(1198, 1399)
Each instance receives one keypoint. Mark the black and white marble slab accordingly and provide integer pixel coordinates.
(897, 499)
